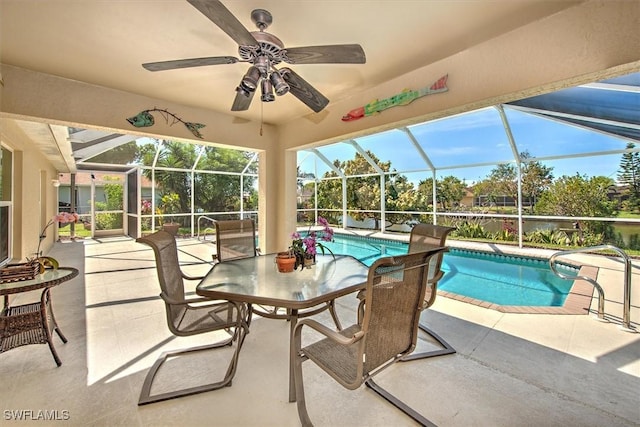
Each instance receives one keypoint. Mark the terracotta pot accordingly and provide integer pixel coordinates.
(286, 262)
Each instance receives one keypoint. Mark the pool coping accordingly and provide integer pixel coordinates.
(578, 300)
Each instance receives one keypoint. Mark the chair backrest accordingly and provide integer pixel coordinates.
(394, 294)
(235, 239)
(169, 274)
(428, 236)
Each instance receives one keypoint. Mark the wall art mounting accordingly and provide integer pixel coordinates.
(403, 98)
(145, 119)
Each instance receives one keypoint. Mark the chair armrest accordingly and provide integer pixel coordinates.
(437, 277)
(187, 277)
(185, 301)
(329, 333)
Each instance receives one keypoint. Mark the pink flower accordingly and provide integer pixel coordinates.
(65, 217)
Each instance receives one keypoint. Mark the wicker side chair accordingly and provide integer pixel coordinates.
(191, 316)
(424, 237)
(387, 332)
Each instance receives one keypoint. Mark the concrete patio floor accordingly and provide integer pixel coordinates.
(509, 369)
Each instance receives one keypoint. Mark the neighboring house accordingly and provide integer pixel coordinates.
(84, 181)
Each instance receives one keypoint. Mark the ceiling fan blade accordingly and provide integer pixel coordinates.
(187, 63)
(331, 54)
(220, 15)
(302, 90)
(242, 100)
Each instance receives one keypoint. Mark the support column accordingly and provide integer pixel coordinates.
(277, 199)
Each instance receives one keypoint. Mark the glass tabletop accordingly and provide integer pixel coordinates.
(49, 278)
(257, 280)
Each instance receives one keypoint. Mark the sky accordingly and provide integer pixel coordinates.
(479, 138)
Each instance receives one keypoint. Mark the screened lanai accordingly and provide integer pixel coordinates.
(494, 170)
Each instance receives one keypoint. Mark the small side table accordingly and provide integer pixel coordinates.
(32, 323)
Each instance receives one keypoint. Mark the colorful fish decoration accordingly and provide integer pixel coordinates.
(145, 119)
(403, 98)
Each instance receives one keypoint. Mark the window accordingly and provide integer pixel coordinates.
(6, 168)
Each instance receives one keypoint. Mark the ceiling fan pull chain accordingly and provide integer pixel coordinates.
(261, 116)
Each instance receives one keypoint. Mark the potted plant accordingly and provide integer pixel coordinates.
(286, 262)
(305, 248)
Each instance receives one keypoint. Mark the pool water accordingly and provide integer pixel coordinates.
(500, 279)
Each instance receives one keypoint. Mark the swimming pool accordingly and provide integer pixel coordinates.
(499, 279)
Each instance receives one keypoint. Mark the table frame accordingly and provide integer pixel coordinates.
(256, 280)
(32, 323)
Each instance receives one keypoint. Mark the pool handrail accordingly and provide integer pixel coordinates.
(626, 317)
(199, 218)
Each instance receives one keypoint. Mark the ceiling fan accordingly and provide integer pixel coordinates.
(264, 51)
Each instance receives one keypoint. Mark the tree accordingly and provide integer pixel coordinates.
(536, 178)
(501, 182)
(449, 191)
(629, 176)
(363, 192)
(213, 192)
(577, 196)
(425, 191)
(400, 196)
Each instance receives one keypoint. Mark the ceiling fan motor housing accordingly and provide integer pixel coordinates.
(268, 45)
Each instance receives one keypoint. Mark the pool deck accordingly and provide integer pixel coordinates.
(510, 369)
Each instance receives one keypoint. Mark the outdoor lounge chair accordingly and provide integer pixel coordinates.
(423, 237)
(189, 317)
(385, 334)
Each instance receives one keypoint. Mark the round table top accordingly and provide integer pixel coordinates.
(47, 279)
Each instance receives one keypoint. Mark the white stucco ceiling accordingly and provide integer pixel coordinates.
(105, 42)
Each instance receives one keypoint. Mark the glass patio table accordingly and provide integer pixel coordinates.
(257, 281)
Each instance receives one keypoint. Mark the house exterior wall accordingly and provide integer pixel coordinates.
(31, 211)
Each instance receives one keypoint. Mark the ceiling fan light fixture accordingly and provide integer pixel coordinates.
(241, 89)
(279, 84)
(267, 91)
(251, 79)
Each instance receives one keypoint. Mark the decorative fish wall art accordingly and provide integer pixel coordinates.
(403, 98)
(145, 119)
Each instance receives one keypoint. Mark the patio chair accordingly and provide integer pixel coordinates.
(235, 239)
(386, 333)
(192, 316)
(423, 237)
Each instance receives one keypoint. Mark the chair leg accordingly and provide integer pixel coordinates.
(297, 379)
(398, 403)
(145, 393)
(434, 353)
